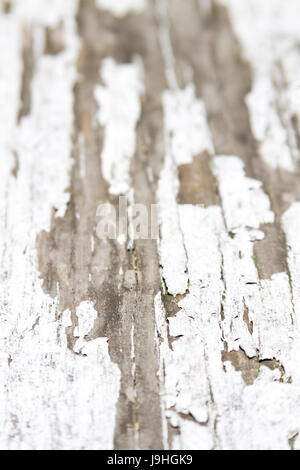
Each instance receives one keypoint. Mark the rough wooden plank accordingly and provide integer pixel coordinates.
(183, 339)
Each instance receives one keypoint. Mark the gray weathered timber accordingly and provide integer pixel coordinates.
(189, 339)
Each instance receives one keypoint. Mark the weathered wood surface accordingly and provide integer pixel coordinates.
(191, 341)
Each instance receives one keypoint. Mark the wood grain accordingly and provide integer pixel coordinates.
(187, 341)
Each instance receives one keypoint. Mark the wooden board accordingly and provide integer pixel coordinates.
(187, 337)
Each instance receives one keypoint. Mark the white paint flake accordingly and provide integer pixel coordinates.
(269, 34)
(122, 8)
(171, 241)
(245, 204)
(186, 129)
(120, 107)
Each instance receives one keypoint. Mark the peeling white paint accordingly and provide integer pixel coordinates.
(186, 130)
(50, 397)
(245, 207)
(201, 304)
(214, 259)
(121, 8)
(51, 109)
(10, 83)
(267, 303)
(244, 202)
(269, 32)
(225, 413)
(186, 386)
(173, 267)
(291, 226)
(41, 12)
(161, 337)
(264, 416)
(120, 108)
(10, 89)
(186, 135)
